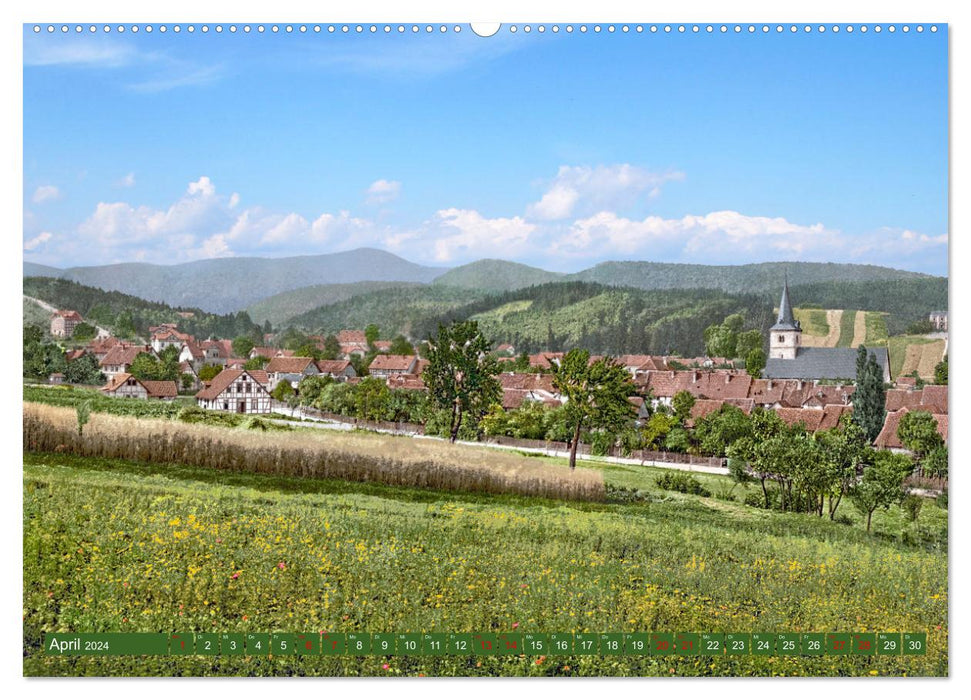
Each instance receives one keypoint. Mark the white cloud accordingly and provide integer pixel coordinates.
(383, 191)
(46, 193)
(718, 236)
(466, 235)
(76, 51)
(38, 240)
(202, 186)
(233, 200)
(591, 189)
(126, 181)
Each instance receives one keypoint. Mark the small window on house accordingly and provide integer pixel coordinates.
(782, 339)
(248, 387)
(225, 405)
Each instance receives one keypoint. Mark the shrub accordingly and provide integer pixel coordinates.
(682, 483)
(912, 505)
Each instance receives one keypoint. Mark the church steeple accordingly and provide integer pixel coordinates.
(786, 320)
(785, 336)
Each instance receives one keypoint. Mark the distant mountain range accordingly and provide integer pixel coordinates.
(279, 289)
(222, 285)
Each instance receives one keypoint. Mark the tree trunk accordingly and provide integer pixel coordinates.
(573, 447)
(869, 515)
(765, 494)
(453, 428)
(832, 508)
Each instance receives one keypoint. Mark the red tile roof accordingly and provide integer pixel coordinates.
(221, 382)
(393, 363)
(160, 389)
(124, 354)
(406, 381)
(888, 439)
(526, 381)
(347, 336)
(332, 366)
(288, 365)
(69, 314)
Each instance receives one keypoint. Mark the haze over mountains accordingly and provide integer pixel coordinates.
(279, 288)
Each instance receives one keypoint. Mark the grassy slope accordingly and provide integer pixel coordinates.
(113, 545)
(36, 315)
(813, 321)
(847, 323)
(876, 328)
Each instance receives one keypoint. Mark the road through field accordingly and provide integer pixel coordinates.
(833, 318)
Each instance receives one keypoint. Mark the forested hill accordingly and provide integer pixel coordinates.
(757, 277)
(128, 315)
(905, 300)
(551, 316)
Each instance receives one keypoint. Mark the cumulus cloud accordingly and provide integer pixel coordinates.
(46, 193)
(383, 191)
(604, 187)
(466, 234)
(38, 240)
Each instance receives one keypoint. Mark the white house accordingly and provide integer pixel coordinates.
(237, 390)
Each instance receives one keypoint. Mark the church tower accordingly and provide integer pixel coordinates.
(786, 335)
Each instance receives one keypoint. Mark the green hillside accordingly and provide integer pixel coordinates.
(187, 548)
(904, 300)
(127, 315)
(496, 276)
(394, 310)
(560, 315)
(757, 277)
(280, 308)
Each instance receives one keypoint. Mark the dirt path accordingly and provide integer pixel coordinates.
(859, 329)
(833, 319)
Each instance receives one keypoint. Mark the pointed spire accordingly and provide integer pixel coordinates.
(786, 319)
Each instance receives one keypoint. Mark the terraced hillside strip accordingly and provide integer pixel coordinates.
(847, 328)
(906, 353)
(876, 328)
(859, 329)
(820, 328)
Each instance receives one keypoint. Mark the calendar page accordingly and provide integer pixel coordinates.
(531, 349)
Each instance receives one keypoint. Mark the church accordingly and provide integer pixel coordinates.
(789, 360)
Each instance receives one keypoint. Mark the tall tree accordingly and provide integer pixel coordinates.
(869, 398)
(917, 432)
(596, 394)
(682, 403)
(755, 363)
(372, 333)
(461, 374)
(242, 345)
(940, 372)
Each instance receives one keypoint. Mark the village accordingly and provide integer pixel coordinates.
(811, 386)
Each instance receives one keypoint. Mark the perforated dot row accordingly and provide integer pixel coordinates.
(512, 28)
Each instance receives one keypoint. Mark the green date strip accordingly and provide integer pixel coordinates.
(708, 644)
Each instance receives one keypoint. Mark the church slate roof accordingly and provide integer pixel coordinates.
(821, 363)
(786, 320)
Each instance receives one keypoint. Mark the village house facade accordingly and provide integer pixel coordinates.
(63, 323)
(341, 370)
(384, 366)
(236, 390)
(125, 385)
(290, 369)
(119, 358)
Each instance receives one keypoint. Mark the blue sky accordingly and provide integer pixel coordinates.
(558, 151)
